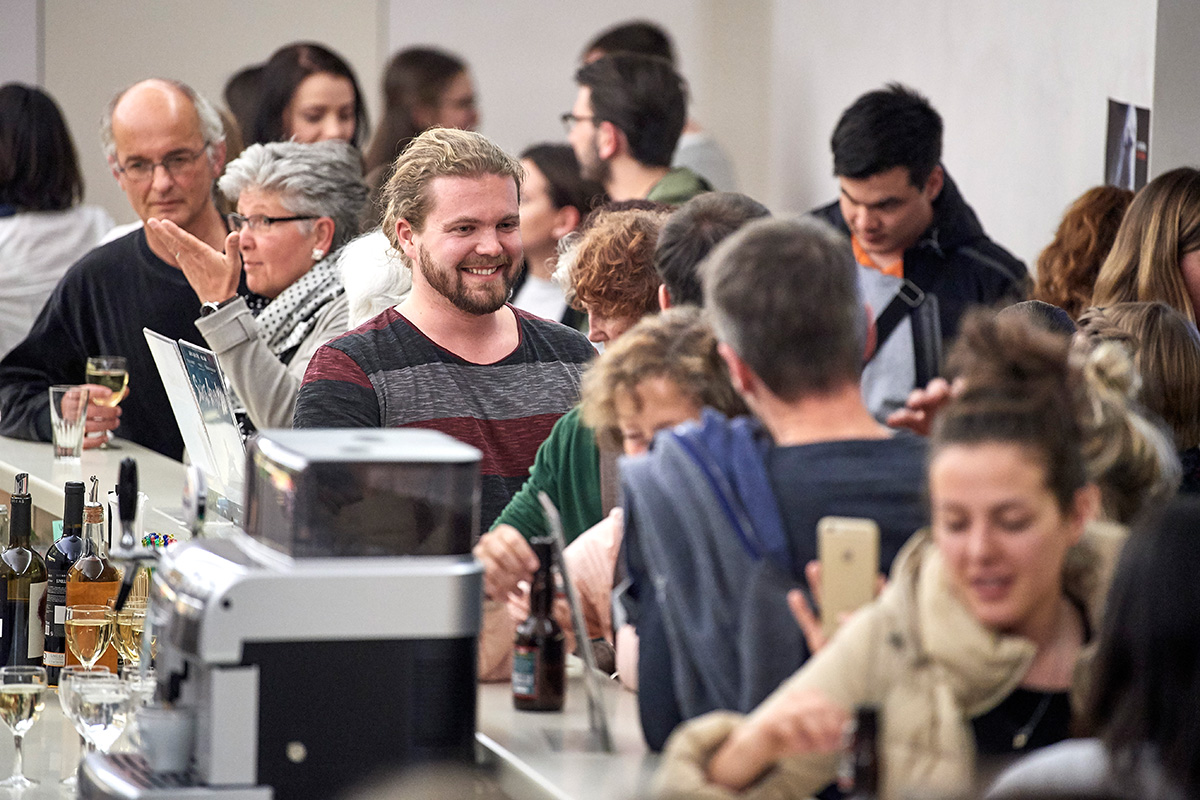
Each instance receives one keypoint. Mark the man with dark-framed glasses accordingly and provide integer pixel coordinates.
(165, 146)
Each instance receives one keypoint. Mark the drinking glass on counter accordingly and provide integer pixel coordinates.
(130, 622)
(66, 681)
(89, 632)
(68, 417)
(100, 709)
(22, 691)
(111, 373)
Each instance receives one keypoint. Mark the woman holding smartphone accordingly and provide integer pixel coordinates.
(970, 651)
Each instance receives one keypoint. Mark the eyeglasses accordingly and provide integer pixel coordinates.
(570, 120)
(140, 170)
(260, 222)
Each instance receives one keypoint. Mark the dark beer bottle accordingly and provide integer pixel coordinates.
(539, 657)
(858, 776)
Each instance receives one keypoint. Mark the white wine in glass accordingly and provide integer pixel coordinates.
(109, 372)
(22, 693)
(89, 632)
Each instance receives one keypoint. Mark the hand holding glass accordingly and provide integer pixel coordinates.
(22, 690)
(68, 418)
(109, 372)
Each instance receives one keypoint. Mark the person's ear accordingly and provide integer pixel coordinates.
(934, 183)
(424, 116)
(407, 237)
(323, 228)
(610, 140)
(664, 297)
(1085, 508)
(566, 219)
(740, 374)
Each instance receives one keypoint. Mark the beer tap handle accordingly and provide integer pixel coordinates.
(127, 497)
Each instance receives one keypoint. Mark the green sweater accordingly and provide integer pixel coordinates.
(677, 187)
(567, 469)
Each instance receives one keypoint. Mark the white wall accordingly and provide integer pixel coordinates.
(20, 37)
(524, 56)
(93, 49)
(1022, 86)
(1173, 120)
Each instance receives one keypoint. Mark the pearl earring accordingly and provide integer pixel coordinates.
(318, 254)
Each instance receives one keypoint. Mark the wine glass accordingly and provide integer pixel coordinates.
(111, 373)
(21, 702)
(89, 631)
(130, 622)
(101, 708)
(66, 680)
(142, 686)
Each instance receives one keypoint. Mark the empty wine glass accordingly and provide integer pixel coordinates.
(66, 679)
(142, 683)
(89, 631)
(22, 691)
(101, 706)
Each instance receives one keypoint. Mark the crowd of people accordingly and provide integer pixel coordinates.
(695, 384)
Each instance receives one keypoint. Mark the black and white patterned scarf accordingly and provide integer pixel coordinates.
(287, 319)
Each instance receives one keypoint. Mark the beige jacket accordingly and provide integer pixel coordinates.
(917, 653)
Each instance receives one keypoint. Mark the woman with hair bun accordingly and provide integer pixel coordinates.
(970, 651)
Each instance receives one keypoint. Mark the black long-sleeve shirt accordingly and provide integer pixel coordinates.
(99, 308)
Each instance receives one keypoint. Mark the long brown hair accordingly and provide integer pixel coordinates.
(1067, 268)
(1160, 227)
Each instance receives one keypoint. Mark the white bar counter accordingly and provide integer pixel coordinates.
(541, 755)
(161, 478)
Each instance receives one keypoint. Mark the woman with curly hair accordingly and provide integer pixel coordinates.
(1067, 268)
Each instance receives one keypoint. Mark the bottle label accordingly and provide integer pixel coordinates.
(37, 619)
(51, 659)
(56, 603)
(524, 672)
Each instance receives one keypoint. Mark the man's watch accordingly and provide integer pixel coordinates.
(211, 307)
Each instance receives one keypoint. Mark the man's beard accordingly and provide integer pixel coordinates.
(595, 168)
(448, 282)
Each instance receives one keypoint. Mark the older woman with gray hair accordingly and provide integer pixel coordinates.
(297, 205)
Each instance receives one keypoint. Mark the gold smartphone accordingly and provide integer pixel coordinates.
(848, 548)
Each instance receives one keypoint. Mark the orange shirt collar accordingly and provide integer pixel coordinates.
(862, 257)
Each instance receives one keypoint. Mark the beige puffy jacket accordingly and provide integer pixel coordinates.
(917, 653)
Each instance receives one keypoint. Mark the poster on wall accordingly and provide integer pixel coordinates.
(1128, 152)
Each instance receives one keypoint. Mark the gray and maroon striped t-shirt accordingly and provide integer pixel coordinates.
(386, 373)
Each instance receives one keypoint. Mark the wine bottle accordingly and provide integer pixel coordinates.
(539, 658)
(23, 573)
(92, 579)
(858, 775)
(61, 556)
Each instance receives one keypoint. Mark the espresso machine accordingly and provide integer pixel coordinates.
(333, 639)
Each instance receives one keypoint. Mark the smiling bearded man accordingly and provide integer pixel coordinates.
(454, 356)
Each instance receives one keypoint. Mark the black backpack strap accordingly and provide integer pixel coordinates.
(906, 300)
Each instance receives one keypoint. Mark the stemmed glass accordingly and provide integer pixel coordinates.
(101, 708)
(89, 630)
(21, 693)
(66, 681)
(111, 373)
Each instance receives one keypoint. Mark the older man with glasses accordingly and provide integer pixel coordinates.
(165, 145)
